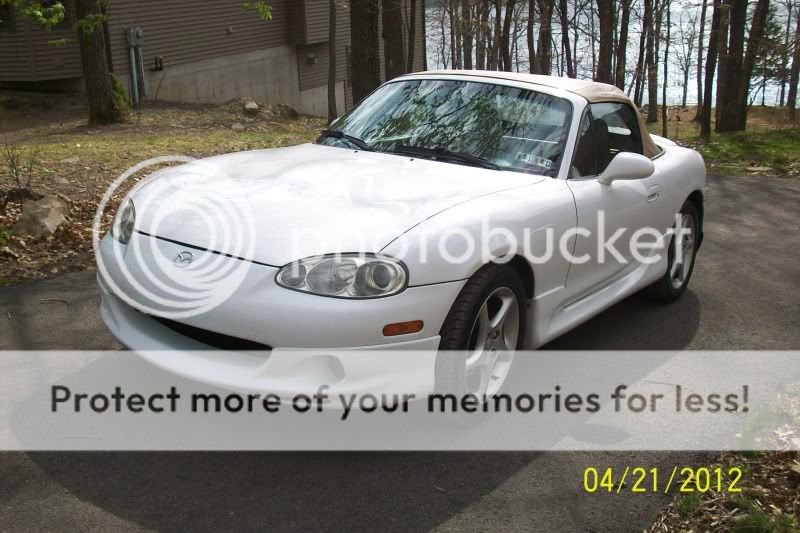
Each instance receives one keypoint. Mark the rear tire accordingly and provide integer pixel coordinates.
(675, 280)
(484, 327)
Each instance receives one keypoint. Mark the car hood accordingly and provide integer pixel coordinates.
(276, 206)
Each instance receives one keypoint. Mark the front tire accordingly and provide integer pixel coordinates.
(679, 266)
(480, 334)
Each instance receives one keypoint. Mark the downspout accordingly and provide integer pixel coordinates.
(138, 85)
(133, 71)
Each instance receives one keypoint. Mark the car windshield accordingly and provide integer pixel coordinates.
(480, 124)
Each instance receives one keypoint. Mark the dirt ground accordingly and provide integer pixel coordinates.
(78, 163)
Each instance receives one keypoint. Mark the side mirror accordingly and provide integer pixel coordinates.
(626, 166)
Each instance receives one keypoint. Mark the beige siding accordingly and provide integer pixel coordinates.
(182, 31)
(317, 75)
(27, 55)
(317, 15)
(15, 52)
(55, 62)
(296, 21)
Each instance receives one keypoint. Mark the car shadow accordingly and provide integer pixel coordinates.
(636, 323)
(297, 491)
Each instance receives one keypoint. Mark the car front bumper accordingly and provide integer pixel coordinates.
(312, 340)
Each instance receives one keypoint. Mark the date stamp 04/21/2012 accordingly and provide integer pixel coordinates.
(639, 479)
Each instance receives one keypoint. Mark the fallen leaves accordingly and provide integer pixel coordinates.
(79, 163)
(768, 501)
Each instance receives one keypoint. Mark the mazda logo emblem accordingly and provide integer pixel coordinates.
(183, 259)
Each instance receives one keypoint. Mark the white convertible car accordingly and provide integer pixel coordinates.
(474, 213)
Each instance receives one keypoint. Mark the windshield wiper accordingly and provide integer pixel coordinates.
(355, 141)
(441, 153)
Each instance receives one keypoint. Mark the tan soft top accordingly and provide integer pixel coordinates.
(593, 91)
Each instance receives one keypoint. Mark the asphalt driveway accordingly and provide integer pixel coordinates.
(745, 294)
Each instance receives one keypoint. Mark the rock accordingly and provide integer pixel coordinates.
(251, 108)
(793, 477)
(41, 218)
(285, 111)
(74, 160)
(62, 181)
(238, 126)
(759, 169)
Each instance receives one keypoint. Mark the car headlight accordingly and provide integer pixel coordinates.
(122, 228)
(345, 276)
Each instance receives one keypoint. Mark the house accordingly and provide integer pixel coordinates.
(200, 51)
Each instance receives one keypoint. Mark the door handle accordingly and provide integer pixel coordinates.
(653, 194)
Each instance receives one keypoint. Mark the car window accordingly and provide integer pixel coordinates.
(622, 127)
(516, 129)
(583, 163)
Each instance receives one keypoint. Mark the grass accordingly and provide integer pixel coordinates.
(687, 504)
(769, 146)
(756, 520)
(79, 162)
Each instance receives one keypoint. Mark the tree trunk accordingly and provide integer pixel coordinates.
(754, 44)
(640, 63)
(515, 41)
(103, 107)
(667, 6)
(785, 55)
(699, 111)
(443, 37)
(394, 57)
(711, 66)
(575, 44)
(332, 112)
(456, 23)
(564, 15)
(452, 25)
(795, 74)
(685, 88)
(506, 40)
(622, 44)
(365, 67)
(606, 18)
(729, 86)
(412, 33)
(480, 44)
(466, 33)
(533, 64)
(592, 39)
(652, 70)
(544, 54)
(722, 53)
(496, 57)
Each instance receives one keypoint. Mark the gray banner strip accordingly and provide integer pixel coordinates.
(365, 400)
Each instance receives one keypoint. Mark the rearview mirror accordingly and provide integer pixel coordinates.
(626, 166)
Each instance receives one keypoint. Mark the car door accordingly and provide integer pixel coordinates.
(607, 214)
